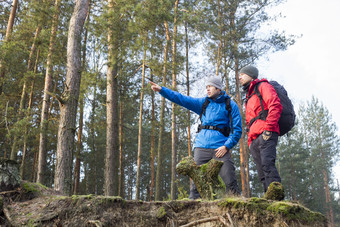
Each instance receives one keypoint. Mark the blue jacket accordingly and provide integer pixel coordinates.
(215, 115)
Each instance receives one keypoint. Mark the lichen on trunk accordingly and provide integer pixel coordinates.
(208, 183)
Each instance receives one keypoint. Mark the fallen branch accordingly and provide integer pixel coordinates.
(197, 222)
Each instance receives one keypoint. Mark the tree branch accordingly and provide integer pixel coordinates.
(56, 96)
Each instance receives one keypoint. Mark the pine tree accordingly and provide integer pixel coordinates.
(323, 146)
(63, 177)
(46, 98)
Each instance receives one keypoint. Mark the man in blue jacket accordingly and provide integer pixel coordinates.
(214, 139)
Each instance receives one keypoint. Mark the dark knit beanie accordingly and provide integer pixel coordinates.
(214, 81)
(251, 71)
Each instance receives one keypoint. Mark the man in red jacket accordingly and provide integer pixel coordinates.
(262, 126)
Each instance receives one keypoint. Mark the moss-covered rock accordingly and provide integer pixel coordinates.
(295, 211)
(261, 211)
(275, 192)
(208, 183)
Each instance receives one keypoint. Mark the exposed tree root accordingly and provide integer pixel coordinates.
(7, 214)
(94, 223)
(197, 222)
(8, 192)
(216, 218)
(230, 220)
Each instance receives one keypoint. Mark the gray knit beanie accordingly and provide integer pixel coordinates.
(214, 81)
(251, 71)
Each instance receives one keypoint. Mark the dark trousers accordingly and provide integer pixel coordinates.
(264, 154)
(227, 172)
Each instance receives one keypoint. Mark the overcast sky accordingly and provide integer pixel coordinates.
(311, 66)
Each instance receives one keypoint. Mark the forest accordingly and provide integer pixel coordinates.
(79, 116)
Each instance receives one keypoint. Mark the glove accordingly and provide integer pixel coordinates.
(266, 135)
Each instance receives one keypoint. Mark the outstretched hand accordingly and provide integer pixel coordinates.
(155, 87)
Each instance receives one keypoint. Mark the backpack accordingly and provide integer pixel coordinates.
(287, 118)
(226, 130)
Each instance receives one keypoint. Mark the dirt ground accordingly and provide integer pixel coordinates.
(35, 205)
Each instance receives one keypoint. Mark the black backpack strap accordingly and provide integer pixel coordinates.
(204, 107)
(263, 113)
(258, 93)
(228, 107)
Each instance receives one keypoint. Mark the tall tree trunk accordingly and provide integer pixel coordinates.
(188, 84)
(46, 98)
(69, 101)
(93, 147)
(76, 174)
(111, 111)
(188, 89)
(140, 124)
(161, 119)
(23, 94)
(244, 157)
(243, 151)
(76, 178)
(34, 167)
(173, 114)
(330, 215)
(121, 188)
(226, 67)
(7, 38)
(329, 212)
(28, 115)
(219, 49)
(152, 149)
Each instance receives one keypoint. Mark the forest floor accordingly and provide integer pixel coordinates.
(35, 205)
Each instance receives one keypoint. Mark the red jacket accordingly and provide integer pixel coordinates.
(271, 102)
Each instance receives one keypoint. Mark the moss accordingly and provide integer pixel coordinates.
(97, 200)
(182, 193)
(221, 183)
(81, 197)
(257, 205)
(35, 188)
(275, 192)
(288, 210)
(105, 200)
(184, 199)
(53, 198)
(230, 202)
(161, 213)
(204, 167)
(293, 211)
(31, 223)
